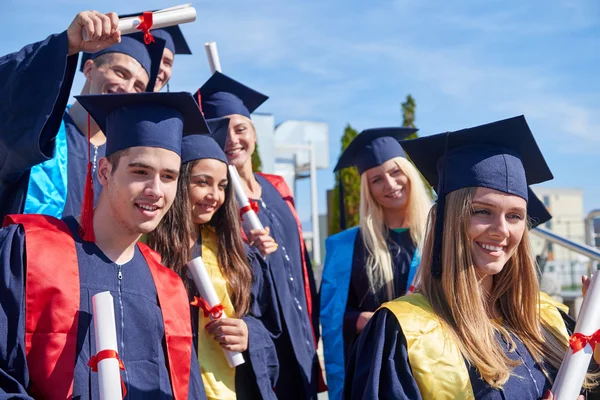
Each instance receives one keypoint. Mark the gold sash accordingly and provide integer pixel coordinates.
(436, 361)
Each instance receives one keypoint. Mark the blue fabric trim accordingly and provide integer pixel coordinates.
(47, 189)
(335, 284)
(414, 266)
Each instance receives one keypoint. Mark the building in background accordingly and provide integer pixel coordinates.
(296, 150)
(568, 220)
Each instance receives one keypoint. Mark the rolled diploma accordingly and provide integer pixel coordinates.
(109, 374)
(160, 19)
(250, 220)
(213, 57)
(207, 292)
(571, 374)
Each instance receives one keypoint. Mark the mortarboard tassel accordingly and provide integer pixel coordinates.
(87, 208)
(438, 229)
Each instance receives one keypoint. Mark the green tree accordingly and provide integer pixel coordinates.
(408, 120)
(256, 162)
(351, 182)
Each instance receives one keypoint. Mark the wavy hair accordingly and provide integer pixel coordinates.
(171, 239)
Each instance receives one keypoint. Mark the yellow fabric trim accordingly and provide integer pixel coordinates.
(435, 359)
(218, 377)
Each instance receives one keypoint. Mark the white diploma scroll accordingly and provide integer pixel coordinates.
(207, 292)
(250, 220)
(213, 57)
(109, 374)
(571, 374)
(160, 19)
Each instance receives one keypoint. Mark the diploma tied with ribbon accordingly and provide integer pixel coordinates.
(248, 207)
(154, 20)
(209, 302)
(570, 377)
(106, 361)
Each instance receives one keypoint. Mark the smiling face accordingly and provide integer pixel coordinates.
(495, 229)
(208, 183)
(166, 69)
(114, 73)
(141, 187)
(389, 186)
(241, 141)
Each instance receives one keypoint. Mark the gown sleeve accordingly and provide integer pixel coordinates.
(35, 83)
(315, 296)
(14, 375)
(264, 325)
(378, 367)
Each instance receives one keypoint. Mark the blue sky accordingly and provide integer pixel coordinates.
(339, 62)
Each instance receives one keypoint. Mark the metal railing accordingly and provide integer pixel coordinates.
(590, 252)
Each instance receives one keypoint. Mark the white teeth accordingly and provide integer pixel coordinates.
(147, 207)
(491, 248)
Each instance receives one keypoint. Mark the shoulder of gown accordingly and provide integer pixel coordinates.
(378, 365)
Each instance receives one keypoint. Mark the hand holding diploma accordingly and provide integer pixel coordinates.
(211, 306)
(571, 374)
(230, 333)
(102, 31)
(260, 239)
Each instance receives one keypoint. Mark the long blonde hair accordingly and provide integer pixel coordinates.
(374, 232)
(458, 299)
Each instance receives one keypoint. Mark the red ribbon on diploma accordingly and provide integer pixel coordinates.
(215, 312)
(103, 355)
(578, 340)
(252, 206)
(146, 21)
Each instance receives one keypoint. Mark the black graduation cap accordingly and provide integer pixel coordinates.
(199, 147)
(536, 210)
(149, 56)
(373, 147)
(172, 35)
(221, 96)
(145, 119)
(501, 155)
(370, 149)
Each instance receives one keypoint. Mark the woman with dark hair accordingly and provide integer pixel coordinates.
(204, 221)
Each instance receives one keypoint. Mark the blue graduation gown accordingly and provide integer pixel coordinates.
(345, 293)
(139, 323)
(35, 83)
(379, 367)
(256, 378)
(295, 345)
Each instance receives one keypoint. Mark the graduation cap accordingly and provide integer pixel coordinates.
(370, 149)
(199, 147)
(149, 56)
(221, 96)
(501, 155)
(536, 210)
(138, 119)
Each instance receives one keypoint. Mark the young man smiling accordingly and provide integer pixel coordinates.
(51, 268)
(43, 143)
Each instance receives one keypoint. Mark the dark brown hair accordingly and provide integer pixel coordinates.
(171, 239)
(114, 159)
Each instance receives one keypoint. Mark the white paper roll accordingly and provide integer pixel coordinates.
(109, 374)
(571, 374)
(250, 220)
(160, 19)
(213, 57)
(207, 292)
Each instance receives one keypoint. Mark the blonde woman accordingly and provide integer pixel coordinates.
(478, 326)
(375, 262)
